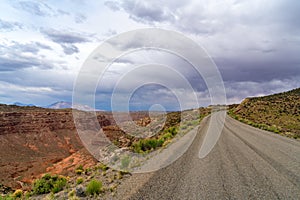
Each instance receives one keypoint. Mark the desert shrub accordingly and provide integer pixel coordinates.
(41, 186)
(160, 142)
(147, 145)
(18, 194)
(94, 187)
(172, 130)
(72, 195)
(49, 184)
(79, 180)
(59, 185)
(116, 142)
(137, 147)
(274, 129)
(87, 170)
(151, 144)
(79, 170)
(167, 136)
(7, 197)
(103, 167)
(80, 167)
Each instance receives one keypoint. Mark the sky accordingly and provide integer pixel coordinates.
(43, 44)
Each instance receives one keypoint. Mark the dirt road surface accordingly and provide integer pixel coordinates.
(246, 163)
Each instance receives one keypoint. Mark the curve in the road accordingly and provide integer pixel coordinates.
(246, 163)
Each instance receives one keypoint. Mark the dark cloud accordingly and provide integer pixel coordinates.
(260, 65)
(236, 91)
(65, 37)
(142, 98)
(16, 62)
(284, 13)
(70, 49)
(9, 26)
(207, 18)
(257, 47)
(39, 8)
(239, 70)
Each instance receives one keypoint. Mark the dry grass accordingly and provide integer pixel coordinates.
(279, 113)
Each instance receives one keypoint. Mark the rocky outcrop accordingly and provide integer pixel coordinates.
(33, 139)
(37, 140)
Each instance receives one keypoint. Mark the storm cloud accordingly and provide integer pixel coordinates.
(17, 56)
(254, 44)
(65, 36)
(249, 42)
(67, 39)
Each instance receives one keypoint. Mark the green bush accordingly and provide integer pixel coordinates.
(167, 136)
(7, 197)
(59, 185)
(172, 130)
(94, 187)
(147, 145)
(49, 184)
(137, 147)
(41, 186)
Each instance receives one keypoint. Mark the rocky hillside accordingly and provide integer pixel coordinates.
(279, 113)
(31, 140)
(35, 141)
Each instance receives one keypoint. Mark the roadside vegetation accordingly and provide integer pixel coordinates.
(49, 184)
(278, 113)
(172, 128)
(149, 144)
(101, 181)
(91, 183)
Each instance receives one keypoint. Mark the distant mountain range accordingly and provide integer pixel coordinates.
(64, 104)
(60, 105)
(22, 104)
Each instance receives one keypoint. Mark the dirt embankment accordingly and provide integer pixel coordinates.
(279, 113)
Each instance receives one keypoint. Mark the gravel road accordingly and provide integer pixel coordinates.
(246, 163)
